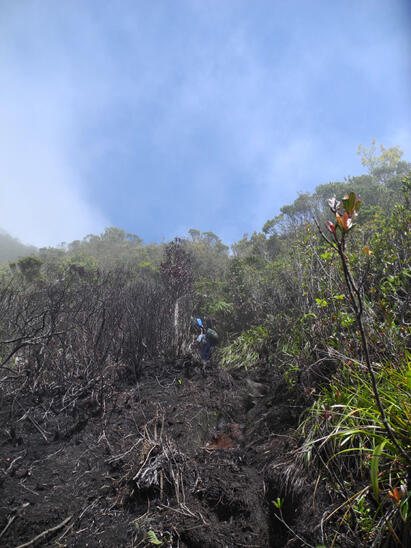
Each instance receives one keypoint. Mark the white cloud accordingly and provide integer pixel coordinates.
(41, 200)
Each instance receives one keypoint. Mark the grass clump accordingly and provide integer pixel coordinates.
(345, 435)
(248, 349)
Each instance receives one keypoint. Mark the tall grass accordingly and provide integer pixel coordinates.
(344, 433)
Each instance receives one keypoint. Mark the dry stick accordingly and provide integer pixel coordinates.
(144, 463)
(78, 519)
(18, 511)
(28, 342)
(12, 463)
(184, 511)
(27, 416)
(33, 422)
(8, 525)
(282, 520)
(44, 533)
(313, 507)
(358, 310)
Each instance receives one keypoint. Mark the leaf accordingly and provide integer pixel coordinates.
(334, 204)
(404, 510)
(222, 441)
(351, 201)
(278, 503)
(152, 538)
(309, 315)
(395, 495)
(374, 468)
(345, 201)
(408, 371)
(330, 226)
(409, 379)
(344, 221)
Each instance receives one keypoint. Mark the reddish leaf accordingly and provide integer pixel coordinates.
(346, 222)
(222, 441)
(395, 495)
(330, 226)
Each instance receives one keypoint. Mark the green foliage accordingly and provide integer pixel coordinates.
(388, 158)
(278, 503)
(30, 267)
(210, 256)
(343, 431)
(152, 538)
(360, 426)
(248, 349)
(221, 307)
(301, 211)
(363, 514)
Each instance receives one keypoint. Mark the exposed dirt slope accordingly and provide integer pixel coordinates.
(182, 454)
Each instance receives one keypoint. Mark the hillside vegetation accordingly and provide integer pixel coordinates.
(12, 249)
(313, 311)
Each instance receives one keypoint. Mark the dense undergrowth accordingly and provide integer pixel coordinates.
(359, 429)
(282, 300)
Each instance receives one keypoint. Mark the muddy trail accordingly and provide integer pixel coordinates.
(181, 458)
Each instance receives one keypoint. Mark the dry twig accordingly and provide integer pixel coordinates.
(45, 533)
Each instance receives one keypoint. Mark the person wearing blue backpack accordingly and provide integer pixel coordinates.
(208, 339)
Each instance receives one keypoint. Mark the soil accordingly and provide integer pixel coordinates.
(181, 458)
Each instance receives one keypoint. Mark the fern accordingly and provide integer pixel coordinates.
(152, 538)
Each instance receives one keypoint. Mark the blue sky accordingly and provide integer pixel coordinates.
(158, 116)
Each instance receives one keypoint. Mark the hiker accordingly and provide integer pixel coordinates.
(208, 339)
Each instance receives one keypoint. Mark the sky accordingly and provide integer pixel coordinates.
(157, 116)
